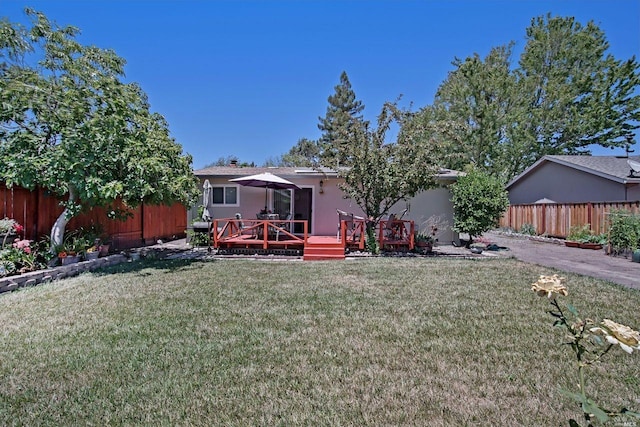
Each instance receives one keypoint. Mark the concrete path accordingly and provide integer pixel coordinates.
(594, 263)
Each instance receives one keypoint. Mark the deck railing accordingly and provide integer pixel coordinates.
(396, 234)
(263, 233)
(274, 233)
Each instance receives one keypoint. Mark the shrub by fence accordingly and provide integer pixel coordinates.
(556, 219)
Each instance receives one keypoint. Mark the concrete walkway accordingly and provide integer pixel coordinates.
(594, 263)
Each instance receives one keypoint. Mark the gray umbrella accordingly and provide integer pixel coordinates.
(265, 180)
(207, 201)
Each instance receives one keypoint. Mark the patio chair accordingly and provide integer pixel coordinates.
(285, 225)
(352, 229)
(392, 229)
(240, 225)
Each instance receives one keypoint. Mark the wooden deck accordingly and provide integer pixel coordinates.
(274, 236)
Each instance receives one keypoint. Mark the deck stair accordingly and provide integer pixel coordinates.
(323, 248)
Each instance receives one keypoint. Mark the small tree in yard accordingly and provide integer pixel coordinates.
(382, 173)
(70, 125)
(479, 200)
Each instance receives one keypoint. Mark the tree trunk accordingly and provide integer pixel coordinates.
(469, 242)
(58, 229)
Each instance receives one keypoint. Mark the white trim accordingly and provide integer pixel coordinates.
(225, 186)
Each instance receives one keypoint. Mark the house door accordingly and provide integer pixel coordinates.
(302, 208)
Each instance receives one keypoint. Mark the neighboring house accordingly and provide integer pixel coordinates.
(317, 199)
(576, 179)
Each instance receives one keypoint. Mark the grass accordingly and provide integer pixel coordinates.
(377, 342)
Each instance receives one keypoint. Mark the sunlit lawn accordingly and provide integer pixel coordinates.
(361, 342)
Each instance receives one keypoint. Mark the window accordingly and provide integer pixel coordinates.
(225, 195)
(282, 202)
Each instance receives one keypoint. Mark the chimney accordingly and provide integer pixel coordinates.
(233, 163)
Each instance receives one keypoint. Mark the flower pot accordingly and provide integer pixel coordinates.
(104, 249)
(91, 255)
(69, 259)
(635, 256)
(590, 245)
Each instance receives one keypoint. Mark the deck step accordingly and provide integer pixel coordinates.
(317, 249)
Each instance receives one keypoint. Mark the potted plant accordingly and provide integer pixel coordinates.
(593, 241)
(67, 256)
(424, 242)
(577, 234)
(92, 252)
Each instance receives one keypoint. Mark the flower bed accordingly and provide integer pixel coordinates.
(34, 278)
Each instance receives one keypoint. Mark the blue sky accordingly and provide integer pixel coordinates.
(250, 78)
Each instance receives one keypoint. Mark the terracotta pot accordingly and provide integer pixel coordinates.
(590, 245)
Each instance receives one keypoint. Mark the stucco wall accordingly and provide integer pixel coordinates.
(431, 203)
(324, 216)
(565, 185)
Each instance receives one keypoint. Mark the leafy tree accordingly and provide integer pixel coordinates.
(342, 121)
(228, 160)
(479, 200)
(382, 173)
(480, 95)
(305, 153)
(69, 124)
(566, 94)
(575, 94)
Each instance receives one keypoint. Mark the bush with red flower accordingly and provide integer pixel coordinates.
(21, 255)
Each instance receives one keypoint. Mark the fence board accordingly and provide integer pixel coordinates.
(557, 219)
(38, 210)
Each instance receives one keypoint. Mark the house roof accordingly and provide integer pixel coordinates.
(231, 171)
(613, 168)
(292, 172)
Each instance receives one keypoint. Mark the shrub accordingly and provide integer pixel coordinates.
(624, 231)
(478, 202)
(528, 229)
(579, 233)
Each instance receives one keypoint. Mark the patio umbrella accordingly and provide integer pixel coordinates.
(266, 180)
(207, 201)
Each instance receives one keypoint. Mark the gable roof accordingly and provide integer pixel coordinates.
(613, 168)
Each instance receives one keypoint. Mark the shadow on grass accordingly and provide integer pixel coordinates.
(150, 266)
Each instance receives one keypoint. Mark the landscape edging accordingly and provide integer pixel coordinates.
(34, 278)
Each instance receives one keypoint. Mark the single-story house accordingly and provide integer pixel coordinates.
(577, 179)
(316, 201)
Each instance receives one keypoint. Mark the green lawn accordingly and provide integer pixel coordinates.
(379, 342)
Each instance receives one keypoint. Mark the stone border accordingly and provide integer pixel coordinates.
(34, 278)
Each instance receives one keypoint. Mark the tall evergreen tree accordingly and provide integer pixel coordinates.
(341, 122)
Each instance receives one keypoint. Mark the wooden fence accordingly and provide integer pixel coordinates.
(38, 210)
(556, 219)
